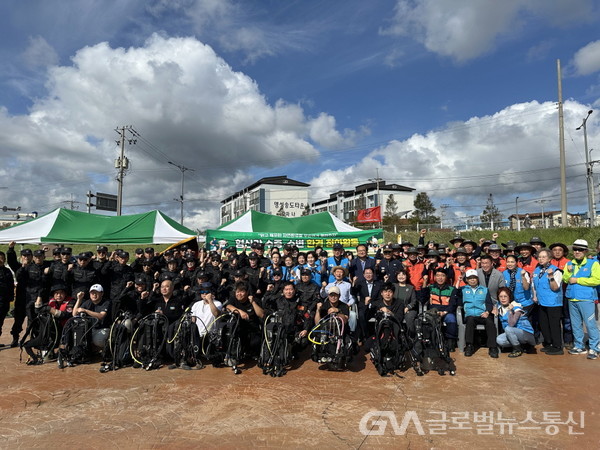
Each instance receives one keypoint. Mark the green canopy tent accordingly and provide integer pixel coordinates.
(74, 227)
(321, 229)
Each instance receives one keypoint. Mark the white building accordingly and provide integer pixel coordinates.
(271, 195)
(345, 204)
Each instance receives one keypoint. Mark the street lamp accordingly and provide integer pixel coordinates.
(589, 172)
(517, 213)
(180, 199)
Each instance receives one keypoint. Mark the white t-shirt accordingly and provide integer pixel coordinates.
(204, 316)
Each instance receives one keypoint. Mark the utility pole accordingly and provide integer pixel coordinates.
(589, 172)
(180, 199)
(443, 213)
(517, 213)
(561, 144)
(377, 180)
(122, 163)
(541, 202)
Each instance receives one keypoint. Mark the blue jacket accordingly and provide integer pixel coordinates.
(315, 273)
(587, 268)
(331, 263)
(545, 295)
(522, 296)
(523, 322)
(476, 300)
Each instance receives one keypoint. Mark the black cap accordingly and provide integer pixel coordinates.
(66, 251)
(56, 251)
(172, 261)
(253, 255)
(102, 248)
(26, 252)
(83, 255)
(39, 253)
(206, 286)
(140, 280)
(139, 251)
(57, 287)
(123, 254)
(149, 250)
(277, 272)
(201, 274)
(190, 259)
(457, 238)
(231, 248)
(147, 262)
(323, 253)
(387, 248)
(306, 272)
(169, 252)
(239, 273)
(259, 246)
(288, 247)
(537, 240)
(338, 246)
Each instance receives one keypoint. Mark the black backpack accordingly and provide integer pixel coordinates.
(430, 345)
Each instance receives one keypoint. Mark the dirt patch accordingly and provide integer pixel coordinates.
(492, 402)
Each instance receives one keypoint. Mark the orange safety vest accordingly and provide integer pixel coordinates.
(458, 275)
(529, 267)
(415, 272)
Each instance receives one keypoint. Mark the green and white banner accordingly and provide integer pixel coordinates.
(305, 232)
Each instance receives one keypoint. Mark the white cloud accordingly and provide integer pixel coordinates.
(189, 107)
(463, 29)
(39, 53)
(511, 153)
(237, 27)
(587, 59)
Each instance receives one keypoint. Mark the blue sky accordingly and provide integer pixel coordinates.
(453, 98)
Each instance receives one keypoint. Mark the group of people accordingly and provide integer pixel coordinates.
(521, 294)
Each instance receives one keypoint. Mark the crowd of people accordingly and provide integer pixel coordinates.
(513, 295)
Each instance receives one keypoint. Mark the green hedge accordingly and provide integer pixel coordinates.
(565, 235)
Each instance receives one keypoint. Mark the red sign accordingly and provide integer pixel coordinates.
(369, 215)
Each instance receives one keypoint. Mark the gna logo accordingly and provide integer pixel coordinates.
(374, 423)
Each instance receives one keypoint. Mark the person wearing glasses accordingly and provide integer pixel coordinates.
(582, 276)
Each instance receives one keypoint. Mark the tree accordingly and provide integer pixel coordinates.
(491, 213)
(391, 206)
(424, 209)
(306, 210)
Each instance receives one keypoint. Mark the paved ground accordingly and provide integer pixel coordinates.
(79, 407)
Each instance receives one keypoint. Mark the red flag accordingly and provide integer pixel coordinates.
(369, 215)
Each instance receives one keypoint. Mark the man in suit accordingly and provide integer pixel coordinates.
(360, 263)
(490, 278)
(366, 291)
